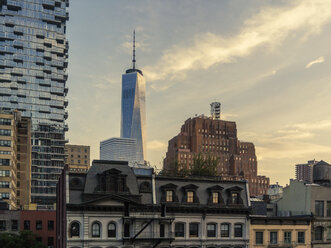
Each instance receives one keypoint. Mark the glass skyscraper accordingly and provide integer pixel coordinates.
(133, 121)
(33, 62)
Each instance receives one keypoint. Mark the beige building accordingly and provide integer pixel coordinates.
(15, 159)
(77, 156)
(280, 232)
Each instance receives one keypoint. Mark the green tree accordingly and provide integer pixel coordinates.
(204, 165)
(25, 239)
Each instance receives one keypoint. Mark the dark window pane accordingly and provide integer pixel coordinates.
(74, 229)
(225, 230)
(259, 238)
(50, 225)
(39, 225)
(238, 230)
(179, 230)
(26, 225)
(112, 230)
(194, 229)
(211, 230)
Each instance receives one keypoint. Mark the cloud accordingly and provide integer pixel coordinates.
(292, 141)
(316, 61)
(156, 145)
(270, 27)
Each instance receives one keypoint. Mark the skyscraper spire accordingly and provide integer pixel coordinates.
(134, 50)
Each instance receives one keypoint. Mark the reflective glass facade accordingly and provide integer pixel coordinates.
(33, 62)
(133, 122)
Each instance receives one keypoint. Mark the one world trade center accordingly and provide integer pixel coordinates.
(133, 113)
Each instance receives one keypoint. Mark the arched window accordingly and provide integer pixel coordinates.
(319, 233)
(95, 229)
(111, 230)
(74, 229)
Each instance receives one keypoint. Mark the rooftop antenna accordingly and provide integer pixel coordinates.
(134, 50)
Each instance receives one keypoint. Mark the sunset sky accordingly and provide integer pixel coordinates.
(267, 62)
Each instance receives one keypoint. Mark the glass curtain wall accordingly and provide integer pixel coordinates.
(33, 62)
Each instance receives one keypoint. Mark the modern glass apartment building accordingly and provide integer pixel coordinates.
(133, 122)
(33, 62)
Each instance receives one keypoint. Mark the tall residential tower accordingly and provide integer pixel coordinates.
(133, 121)
(33, 62)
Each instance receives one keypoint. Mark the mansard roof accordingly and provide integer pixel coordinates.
(101, 166)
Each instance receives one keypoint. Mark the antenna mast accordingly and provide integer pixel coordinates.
(134, 50)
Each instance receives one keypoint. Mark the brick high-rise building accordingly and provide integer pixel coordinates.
(15, 159)
(206, 135)
(304, 172)
(77, 156)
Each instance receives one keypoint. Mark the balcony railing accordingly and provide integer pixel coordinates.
(149, 236)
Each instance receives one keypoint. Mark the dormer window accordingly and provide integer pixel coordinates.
(234, 198)
(190, 196)
(215, 197)
(168, 193)
(169, 197)
(112, 181)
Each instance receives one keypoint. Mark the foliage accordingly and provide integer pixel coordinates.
(201, 166)
(25, 239)
(204, 165)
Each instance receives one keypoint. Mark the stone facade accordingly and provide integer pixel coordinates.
(205, 135)
(280, 232)
(114, 205)
(77, 156)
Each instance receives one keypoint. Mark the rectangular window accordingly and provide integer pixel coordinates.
(328, 208)
(211, 230)
(4, 184)
(238, 230)
(169, 196)
(127, 229)
(179, 230)
(215, 197)
(301, 237)
(39, 225)
(259, 238)
(328, 233)
(4, 173)
(234, 198)
(5, 122)
(5, 132)
(6, 143)
(225, 230)
(287, 237)
(273, 238)
(50, 225)
(162, 230)
(14, 225)
(194, 229)
(26, 225)
(4, 161)
(319, 208)
(2, 225)
(190, 196)
(50, 242)
(4, 196)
